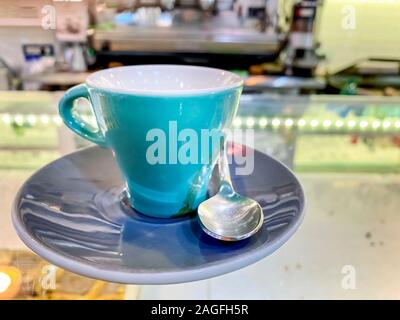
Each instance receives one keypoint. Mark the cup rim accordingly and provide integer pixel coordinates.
(236, 83)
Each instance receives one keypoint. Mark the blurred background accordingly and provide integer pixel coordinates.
(322, 92)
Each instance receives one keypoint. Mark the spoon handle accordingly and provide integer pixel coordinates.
(223, 166)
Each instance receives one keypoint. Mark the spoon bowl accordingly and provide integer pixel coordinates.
(228, 216)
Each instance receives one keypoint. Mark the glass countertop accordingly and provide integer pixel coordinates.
(344, 149)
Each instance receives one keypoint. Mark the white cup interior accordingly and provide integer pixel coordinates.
(164, 80)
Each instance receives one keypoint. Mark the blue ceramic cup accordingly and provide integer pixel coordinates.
(153, 118)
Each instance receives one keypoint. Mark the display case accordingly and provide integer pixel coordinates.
(309, 133)
(345, 150)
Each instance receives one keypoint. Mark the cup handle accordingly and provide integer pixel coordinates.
(81, 128)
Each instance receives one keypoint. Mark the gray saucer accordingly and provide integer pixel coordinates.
(71, 214)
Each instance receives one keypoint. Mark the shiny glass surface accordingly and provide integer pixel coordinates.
(345, 151)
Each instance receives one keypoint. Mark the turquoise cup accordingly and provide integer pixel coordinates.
(160, 121)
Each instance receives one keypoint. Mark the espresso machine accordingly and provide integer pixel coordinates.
(300, 54)
(215, 33)
(240, 35)
(229, 34)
